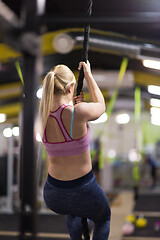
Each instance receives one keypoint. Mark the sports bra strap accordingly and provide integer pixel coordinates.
(44, 136)
(72, 123)
(58, 116)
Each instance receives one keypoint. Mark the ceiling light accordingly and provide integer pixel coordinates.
(155, 116)
(39, 93)
(103, 118)
(111, 153)
(155, 120)
(15, 131)
(133, 156)
(7, 132)
(151, 64)
(155, 111)
(41, 6)
(2, 117)
(123, 118)
(155, 102)
(154, 89)
(63, 43)
(38, 137)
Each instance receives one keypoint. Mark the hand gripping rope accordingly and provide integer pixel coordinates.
(85, 48)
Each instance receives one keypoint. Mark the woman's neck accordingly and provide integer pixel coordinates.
(59, 100)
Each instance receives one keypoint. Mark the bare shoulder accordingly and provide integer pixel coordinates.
(81, 108)
(69, 108)
(88, 111)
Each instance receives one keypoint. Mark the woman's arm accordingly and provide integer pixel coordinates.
(91, 111)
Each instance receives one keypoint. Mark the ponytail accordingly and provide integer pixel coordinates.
(55, 82)
(47, 99)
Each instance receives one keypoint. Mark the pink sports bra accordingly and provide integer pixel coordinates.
(70, 146)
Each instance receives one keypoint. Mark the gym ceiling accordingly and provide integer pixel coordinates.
(129, 28)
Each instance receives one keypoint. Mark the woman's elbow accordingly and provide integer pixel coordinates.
(102, 109)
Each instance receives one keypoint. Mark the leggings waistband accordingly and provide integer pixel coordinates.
(71, 183)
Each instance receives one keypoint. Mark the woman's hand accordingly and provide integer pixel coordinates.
(79, 98)
(86, 68)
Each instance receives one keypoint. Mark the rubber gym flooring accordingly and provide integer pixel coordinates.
(147, 205)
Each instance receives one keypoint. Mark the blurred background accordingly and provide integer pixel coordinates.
(125, 141)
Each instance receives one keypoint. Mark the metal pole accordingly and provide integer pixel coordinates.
(28, 170)
(32, 67)
(136, 18)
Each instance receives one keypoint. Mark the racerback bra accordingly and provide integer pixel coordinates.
(70, 146)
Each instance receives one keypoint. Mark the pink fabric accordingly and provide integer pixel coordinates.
(69, 147)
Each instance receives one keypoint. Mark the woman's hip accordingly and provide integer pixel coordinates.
(86, 199)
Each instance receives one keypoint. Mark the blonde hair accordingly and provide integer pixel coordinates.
(57, 81)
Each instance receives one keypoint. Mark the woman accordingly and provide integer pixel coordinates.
(71, 188)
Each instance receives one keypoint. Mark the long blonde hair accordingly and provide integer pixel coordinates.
(57, 81)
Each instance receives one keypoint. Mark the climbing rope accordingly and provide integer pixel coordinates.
(85, 48)
(85, 230)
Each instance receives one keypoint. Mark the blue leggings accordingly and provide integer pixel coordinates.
(79, 198)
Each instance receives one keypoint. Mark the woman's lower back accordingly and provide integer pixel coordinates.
(70, 167)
